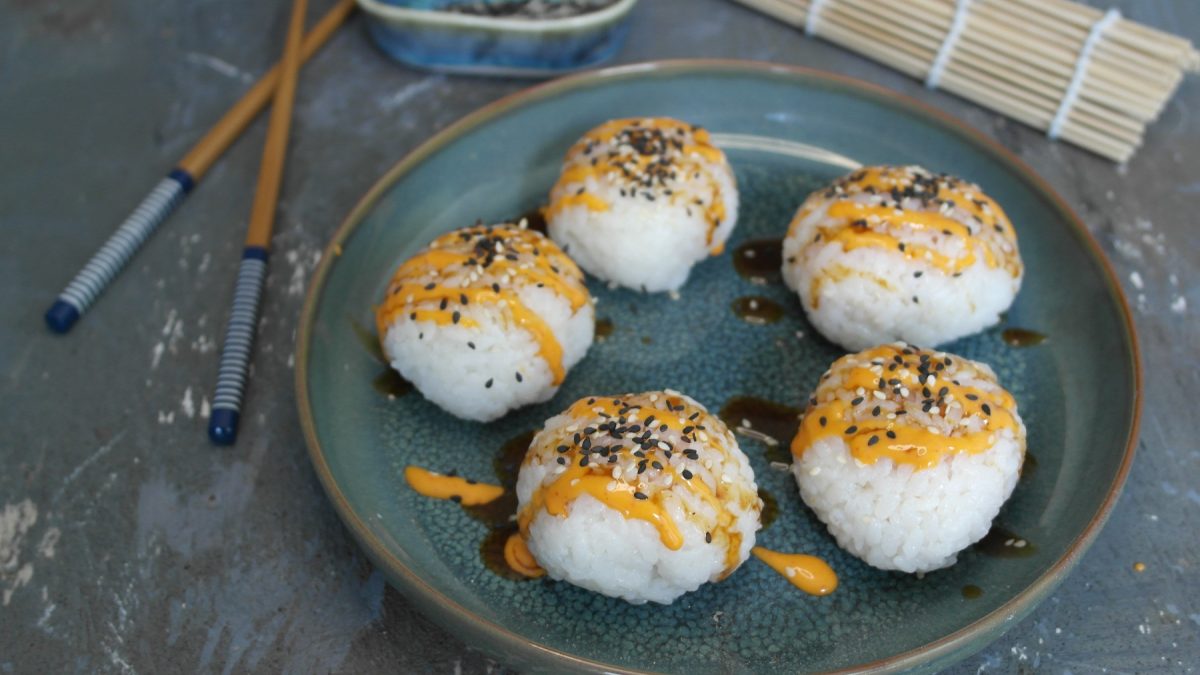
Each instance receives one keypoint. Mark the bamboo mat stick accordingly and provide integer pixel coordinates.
(111, 258)
(247, 294)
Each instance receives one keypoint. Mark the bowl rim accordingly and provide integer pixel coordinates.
(389, 12)
(450, 611)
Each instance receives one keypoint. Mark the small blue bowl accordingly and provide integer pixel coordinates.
(415, 33)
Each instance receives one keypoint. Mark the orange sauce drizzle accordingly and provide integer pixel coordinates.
(618, 495)
(871, 437)
(439, 486)
(578, 481)
(703, 148)
(548, 345)
(808, 573)
(876, 226)
(520, 559)
(549, 267)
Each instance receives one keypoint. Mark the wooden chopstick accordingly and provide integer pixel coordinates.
(247, 294)
(108, 261)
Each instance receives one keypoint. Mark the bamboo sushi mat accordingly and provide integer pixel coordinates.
(1078, 73)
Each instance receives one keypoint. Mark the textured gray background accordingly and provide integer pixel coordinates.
(128, 544)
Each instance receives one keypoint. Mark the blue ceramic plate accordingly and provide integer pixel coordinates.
(787, 131)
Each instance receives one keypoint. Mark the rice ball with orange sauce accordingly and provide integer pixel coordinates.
(900, 253)
(486, 319)
(640, 201)
(908, 454)
(643, 497)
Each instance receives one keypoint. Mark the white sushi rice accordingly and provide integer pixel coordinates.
(476, 359)
(440, 362)
(895, 518)
(596, 547)
(648, 238)
(873, 295)
(889, 513)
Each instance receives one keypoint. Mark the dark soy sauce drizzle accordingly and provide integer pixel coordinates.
(971, 592)
(757, 310)
(534, 220)
(491, 551)
(759, 261)
(389, 382)
(499, 515)
(604, 328)
(369, 341)
(773, 419)
(500, 511)
(1029, 467)
(770, 508)
(1022, 337)
(996, 544)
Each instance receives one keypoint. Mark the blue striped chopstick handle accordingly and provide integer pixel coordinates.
(239, 340)
(95, 276)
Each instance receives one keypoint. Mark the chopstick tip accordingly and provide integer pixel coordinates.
(61, 316)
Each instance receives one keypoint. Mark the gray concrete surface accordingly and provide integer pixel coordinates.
(128, 544)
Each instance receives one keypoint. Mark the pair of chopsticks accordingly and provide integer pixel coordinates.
(277, 86)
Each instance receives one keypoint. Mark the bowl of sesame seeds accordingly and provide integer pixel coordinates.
(736, 340)
(524, 38)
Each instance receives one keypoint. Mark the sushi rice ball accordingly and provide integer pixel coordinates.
(486, 319)
(907, 455)
(641, 497)
(640, 201)
(898, 253)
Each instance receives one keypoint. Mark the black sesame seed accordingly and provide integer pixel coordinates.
(657, 464)
(687, 475)
(918, 274)
(891, 434)
(851, 429)
(639, 495)
(519, 378)
(972, 397)
(987, 410)
(856, 401)
(873, 440)
(708, 537)
(456, 499)
(875, 411)
(455, 317)
(822, 421)
(488, 384)
(562, 460)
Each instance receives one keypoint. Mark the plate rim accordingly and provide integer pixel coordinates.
(450, 611)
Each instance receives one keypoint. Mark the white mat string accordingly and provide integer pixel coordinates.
(814, 16)
(961, 8)
(1071, 95)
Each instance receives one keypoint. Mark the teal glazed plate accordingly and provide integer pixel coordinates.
(786, 131)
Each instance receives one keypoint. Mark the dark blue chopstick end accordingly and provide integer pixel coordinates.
(222, 426)
(61, 316)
